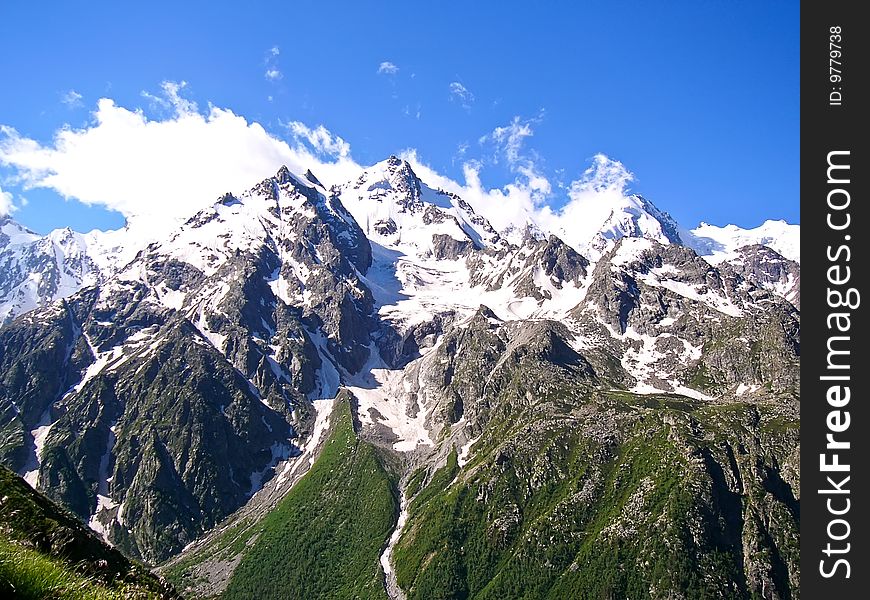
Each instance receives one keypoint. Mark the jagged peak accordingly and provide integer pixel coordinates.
(63, 235)
(670, 227)
(312, 178)
(396, 167)
(487, 312)
(16, 232)
(283, 175)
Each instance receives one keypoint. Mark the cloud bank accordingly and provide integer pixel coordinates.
(6, 205)
(273, 73)
(320, 139)
(152, 169)
(164, 168)
(72, 99)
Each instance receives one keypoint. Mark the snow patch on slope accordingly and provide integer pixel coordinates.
(307, 456)
(393, 589)
(383, 399)
(465, 450)
(39, 435)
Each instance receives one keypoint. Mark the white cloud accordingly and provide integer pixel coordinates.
(387, 68)
(171, 98)
(72, 99)
(181, 105)
(273, 72)
(528, 197)
(154, 100)
(320, 139)
(414, 113)
(164, 168)
(509, 139)
(602, 187)
(461, 94)
(604, 176)
(151, 170)
(174, 165)
(6, 205)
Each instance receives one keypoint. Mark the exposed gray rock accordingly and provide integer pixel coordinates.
(770, 270)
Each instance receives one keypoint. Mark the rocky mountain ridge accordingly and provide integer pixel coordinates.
(184, 393)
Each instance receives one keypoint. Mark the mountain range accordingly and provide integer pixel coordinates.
(368, 391)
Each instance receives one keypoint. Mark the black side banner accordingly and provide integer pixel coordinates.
(835, 421)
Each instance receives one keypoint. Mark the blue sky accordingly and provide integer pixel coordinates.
(698, 99)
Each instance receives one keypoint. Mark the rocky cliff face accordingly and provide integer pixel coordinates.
(550, 479)
(770, 270)
(155, 404)
(540, 420)
(687, 325)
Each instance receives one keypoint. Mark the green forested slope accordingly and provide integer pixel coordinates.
(325, 538)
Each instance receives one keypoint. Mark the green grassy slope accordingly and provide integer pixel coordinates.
(324, 539)
(630, 500)
(45, 552)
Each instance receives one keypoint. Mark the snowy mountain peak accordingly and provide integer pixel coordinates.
(719, 244)
(397, 210)
(398, 175)
(524, 234)
(668, 226)
(601, 219)
(394, 163)
(286, 176)
(601, 210)
(276, 212)
(283, 175)
(14, 234)
(312, 178)
(36, 270)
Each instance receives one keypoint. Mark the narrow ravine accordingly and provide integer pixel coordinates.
(394, 592)
(101, 520)
(39, 435)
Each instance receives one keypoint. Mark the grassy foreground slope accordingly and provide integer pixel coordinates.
(46, 552)
(324, 539)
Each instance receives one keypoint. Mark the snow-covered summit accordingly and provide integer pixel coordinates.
(36, 270)
(15, 234)
(397, 210)
(718, 244)
(415, 229)
(630, 216)
(593, 224)
(601, 210)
